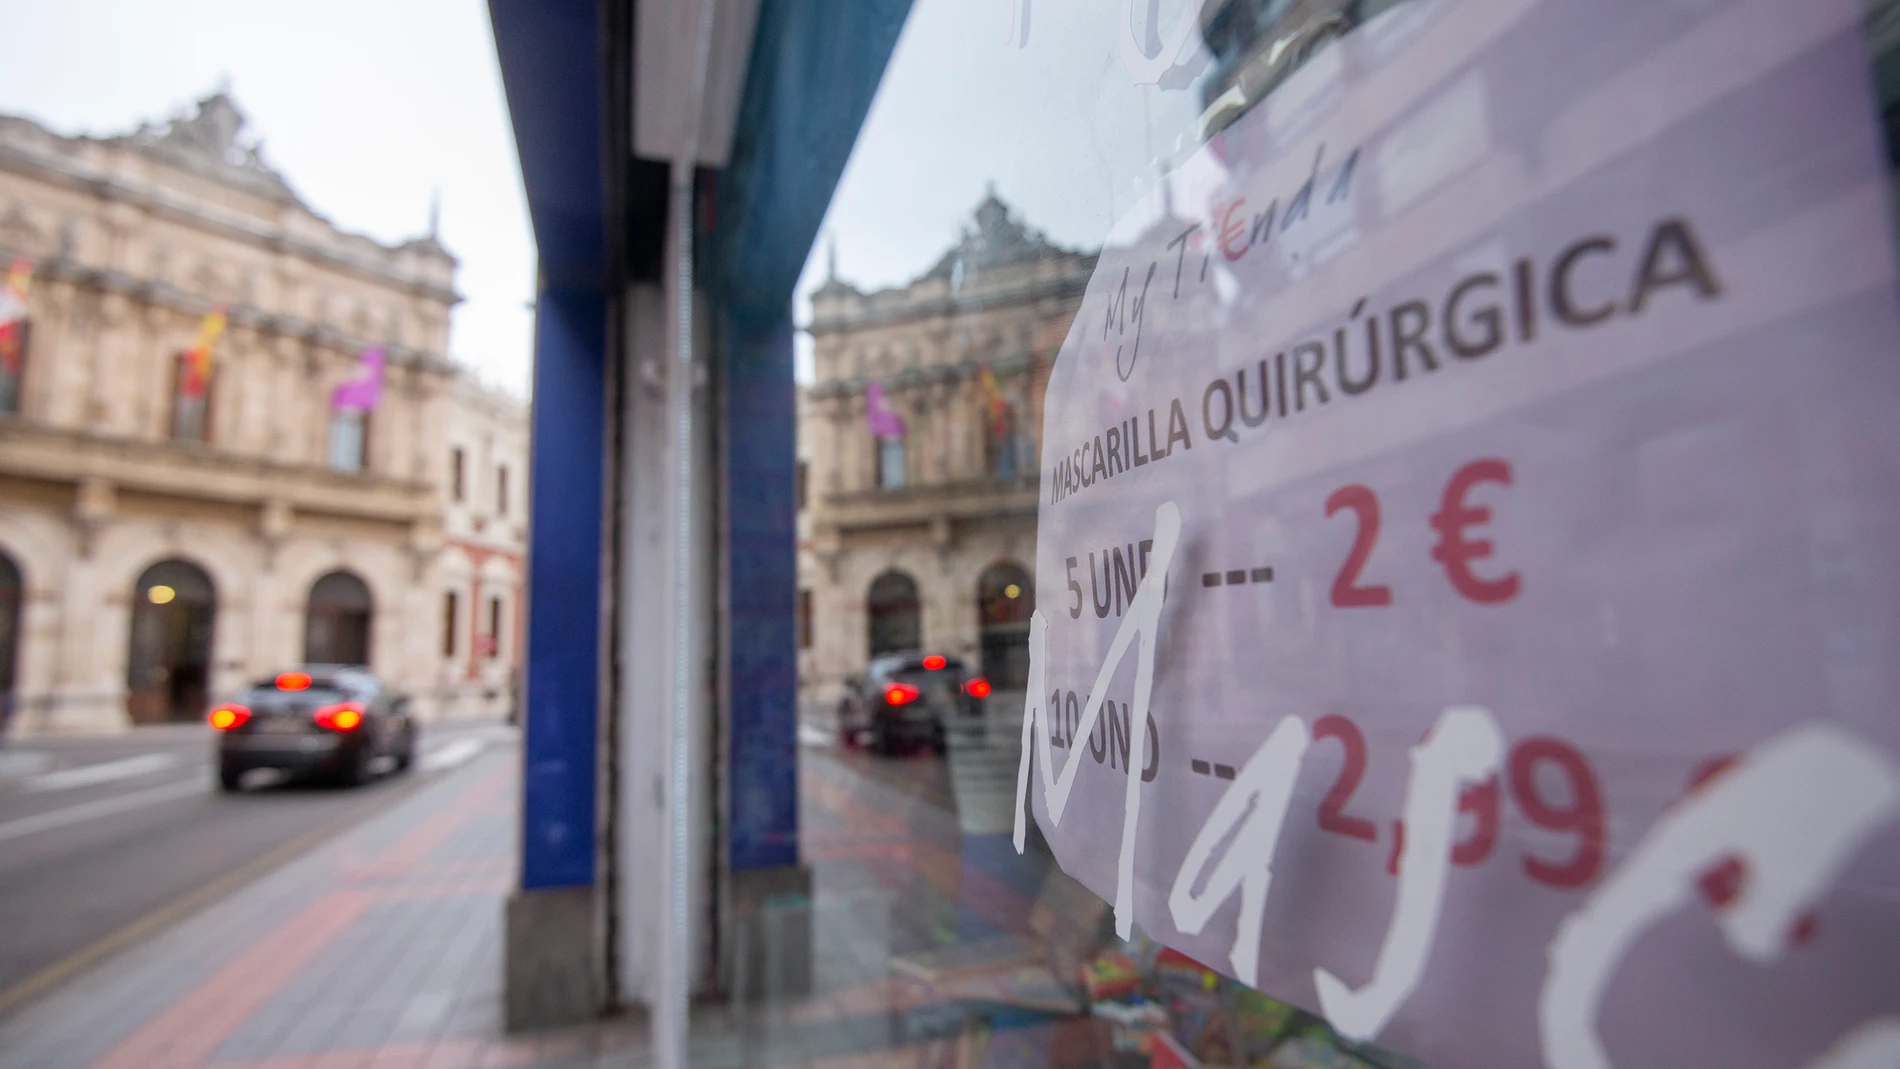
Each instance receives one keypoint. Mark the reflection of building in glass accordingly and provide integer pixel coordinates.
(176, 521)
(919, 526)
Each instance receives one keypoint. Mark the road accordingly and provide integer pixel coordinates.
(106, 840)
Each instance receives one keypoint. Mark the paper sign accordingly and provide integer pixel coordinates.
(1469, 558)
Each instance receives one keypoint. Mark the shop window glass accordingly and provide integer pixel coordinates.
(1137, 185)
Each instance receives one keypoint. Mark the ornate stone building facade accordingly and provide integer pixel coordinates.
(926, 540)
(159, 549)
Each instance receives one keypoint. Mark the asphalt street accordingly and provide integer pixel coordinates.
(104, 841)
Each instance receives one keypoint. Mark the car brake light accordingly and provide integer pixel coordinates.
(343, 716)
(293, 681)
(901, 694)
(226, 717)
(977, 687)
(935, 661)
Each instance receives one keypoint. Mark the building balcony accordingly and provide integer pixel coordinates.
(938, 506)
(60, 456)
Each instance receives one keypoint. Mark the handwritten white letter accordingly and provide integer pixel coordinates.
(1462, 749)
(1143, 621)
(1792, 810)
(1265, 784)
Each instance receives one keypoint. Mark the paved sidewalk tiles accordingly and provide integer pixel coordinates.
(382, 950)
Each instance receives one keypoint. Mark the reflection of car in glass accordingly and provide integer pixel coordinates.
(905, 698)
(321, 720)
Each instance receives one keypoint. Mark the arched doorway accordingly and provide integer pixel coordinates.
(896, 622)
(1004, 600)
(336, 625)
(12, 591)
(168, 668)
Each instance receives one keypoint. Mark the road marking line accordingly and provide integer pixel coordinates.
(104, 772)
(813, 736)
(178, 909)
(118, 803)
(452, 753)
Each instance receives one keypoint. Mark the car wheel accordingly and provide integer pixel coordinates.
(882, 742)
(939, 745)
(406, 756)
(230, 780)
(357, 772)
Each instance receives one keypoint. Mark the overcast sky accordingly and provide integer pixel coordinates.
(366, 106)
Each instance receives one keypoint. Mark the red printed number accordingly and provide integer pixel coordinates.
(1583, 814)
(1482, 802)
(1347, 593)
(1332, 808)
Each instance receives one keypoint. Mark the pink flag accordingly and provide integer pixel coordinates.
(363, 391)
(884, 423)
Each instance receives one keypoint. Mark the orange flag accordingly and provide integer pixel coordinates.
(203, 353)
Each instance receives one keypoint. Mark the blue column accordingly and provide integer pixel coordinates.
(815, 66)
(564, 579)
(762, 541)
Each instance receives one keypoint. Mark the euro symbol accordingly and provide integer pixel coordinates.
(1456, 552)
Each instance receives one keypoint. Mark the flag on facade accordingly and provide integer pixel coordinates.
(13, 314)
(884, 423)
(993, 399)
(203, 353)
(363, 391)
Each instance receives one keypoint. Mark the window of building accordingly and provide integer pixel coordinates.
(169, 644)
(494, 628)
(890, 463)
(349, 440)
(451, 608)
(802, 622)
(191, 402)
(457, 461)
(501, 490)
(14, 338)
(895, 615)
(800, 484)
(1000, 442)
(337, 620)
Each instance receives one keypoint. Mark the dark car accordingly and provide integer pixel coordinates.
(321, 720)
(905, 699)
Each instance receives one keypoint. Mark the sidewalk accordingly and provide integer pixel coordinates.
(382, 948)
(379, 950)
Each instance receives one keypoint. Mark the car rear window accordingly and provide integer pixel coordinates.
(914, 673)
(272, 700)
